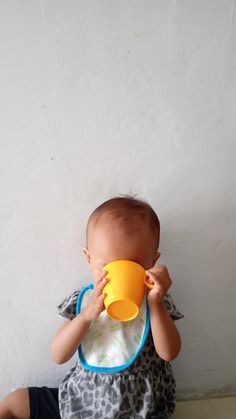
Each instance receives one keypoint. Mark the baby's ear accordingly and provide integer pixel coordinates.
(86, 254)
(158, 254)
(87, 257)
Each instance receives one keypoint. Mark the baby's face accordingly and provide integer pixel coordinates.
(107, 243)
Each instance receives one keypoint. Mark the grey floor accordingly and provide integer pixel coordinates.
(223, 408)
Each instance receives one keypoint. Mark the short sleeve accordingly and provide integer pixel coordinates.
(171, 308)
(67, 308)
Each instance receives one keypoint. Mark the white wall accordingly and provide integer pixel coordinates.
(105, 97)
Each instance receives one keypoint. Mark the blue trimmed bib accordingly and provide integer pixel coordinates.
(110, 345)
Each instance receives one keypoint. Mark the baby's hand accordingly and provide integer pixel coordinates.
(161, 278)
(96, 304)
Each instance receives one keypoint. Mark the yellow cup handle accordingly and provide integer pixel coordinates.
(148, 283)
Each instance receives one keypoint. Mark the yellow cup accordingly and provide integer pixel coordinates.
(125, 289)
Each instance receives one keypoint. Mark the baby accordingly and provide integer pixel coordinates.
(120, 228)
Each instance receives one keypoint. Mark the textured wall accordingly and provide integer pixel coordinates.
(105, 97)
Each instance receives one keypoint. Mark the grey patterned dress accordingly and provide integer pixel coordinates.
(144, 390)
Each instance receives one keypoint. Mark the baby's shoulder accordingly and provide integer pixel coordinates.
(172, 308)
(67, 308)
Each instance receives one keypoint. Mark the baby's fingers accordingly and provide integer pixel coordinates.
(100, 276)
(99, 287)
(100, 301)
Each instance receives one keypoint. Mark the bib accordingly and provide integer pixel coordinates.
(110, 345)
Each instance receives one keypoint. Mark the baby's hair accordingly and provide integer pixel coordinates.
(128, 209)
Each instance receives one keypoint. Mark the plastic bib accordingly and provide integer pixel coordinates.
(110, 345)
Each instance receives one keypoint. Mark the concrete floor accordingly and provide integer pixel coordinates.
(223, 408)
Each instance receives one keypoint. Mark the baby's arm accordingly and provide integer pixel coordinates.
(165, 334)
(70, 334)
(68, 338)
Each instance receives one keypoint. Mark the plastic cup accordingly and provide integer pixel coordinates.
(125, 289)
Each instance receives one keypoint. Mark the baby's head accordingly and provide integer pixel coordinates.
(122, 228)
